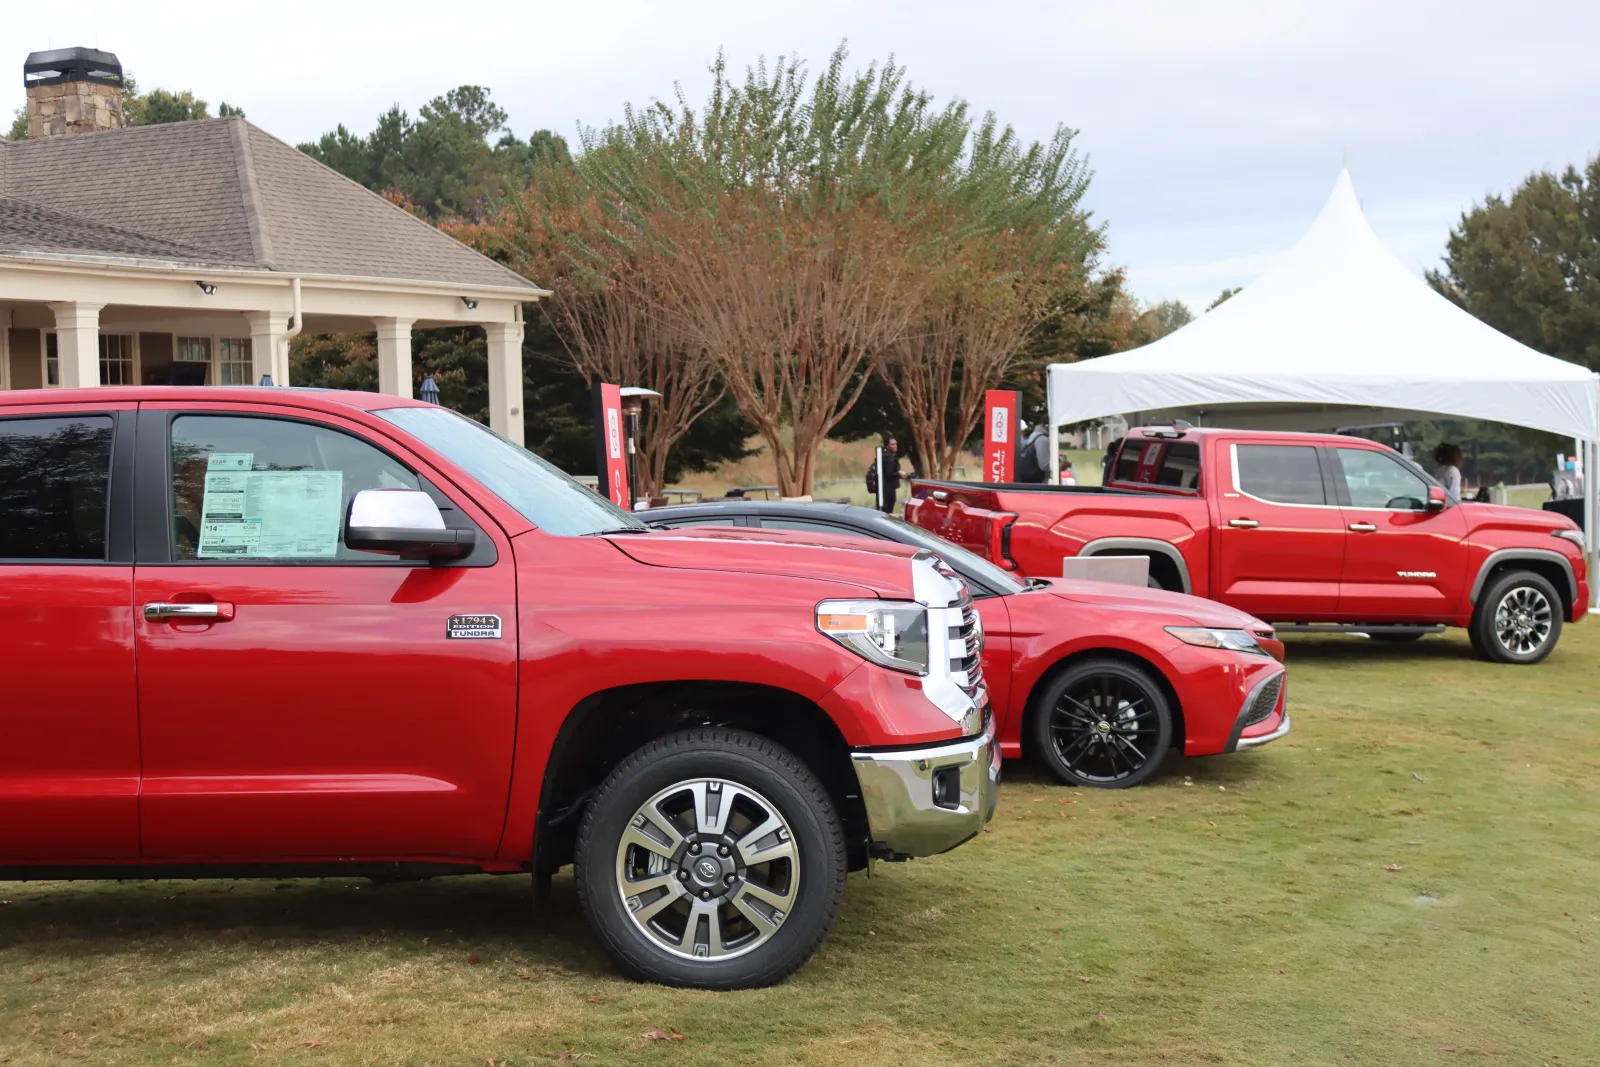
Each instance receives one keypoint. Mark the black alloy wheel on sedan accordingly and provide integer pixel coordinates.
(1104, 724)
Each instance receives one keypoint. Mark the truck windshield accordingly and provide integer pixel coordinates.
(539, 490)
(973, 567)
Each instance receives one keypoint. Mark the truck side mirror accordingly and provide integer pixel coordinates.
(405, 523)
(1437, 498)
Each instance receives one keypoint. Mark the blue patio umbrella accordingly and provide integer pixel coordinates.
(430, 389)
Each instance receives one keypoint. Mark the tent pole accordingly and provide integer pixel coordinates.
(1591, 511)
(1055, 429)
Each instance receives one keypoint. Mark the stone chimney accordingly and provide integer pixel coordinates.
(72, 90)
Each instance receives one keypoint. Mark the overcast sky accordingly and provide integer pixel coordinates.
(1215, 129)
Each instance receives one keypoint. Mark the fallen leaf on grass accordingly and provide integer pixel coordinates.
(312, 1042)
(472, 958)
(1394, 866)
(567, 1055)
(597, 1000)
(669, 1034)
(525, 976)
(1084, 978)
(1419, 777)
(36, 977)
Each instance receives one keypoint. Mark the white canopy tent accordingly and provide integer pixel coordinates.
(1338, 332)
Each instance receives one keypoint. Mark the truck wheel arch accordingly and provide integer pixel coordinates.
(1031, 709)
(605, 727)
(1549, 564)
(1159, 552)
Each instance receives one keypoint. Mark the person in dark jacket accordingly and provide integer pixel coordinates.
(891, 473)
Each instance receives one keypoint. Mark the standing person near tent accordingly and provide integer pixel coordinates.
(1448, 457)
(1033, 456)
(1108, 459)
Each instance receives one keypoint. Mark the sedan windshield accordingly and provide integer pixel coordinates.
(539, 490)
(974, 568)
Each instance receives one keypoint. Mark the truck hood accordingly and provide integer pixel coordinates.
(1504, 515)
(881, 568)
(1184, 607)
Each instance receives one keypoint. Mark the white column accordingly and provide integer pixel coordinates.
(269, 331)
(78, 343)
(394, 356)
(505, 378)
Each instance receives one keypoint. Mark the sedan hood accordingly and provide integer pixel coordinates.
(881, 568)
(1193, 609)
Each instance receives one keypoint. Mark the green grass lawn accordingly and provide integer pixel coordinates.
(1412, 877)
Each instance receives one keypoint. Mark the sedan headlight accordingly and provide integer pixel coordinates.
(1575, 536)
(892, 633)
(1206, 637)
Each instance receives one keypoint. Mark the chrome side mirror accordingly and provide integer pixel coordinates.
(404, 523)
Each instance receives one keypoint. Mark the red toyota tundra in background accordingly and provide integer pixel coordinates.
(1305, 531)
(279, 632)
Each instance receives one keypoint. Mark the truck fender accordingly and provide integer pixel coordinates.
(1512, 555)
(1104, 546)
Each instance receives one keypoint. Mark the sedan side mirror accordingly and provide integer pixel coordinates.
(404, 523)
(1438, 500)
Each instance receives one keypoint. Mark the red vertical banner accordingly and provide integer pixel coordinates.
(1000, 435)
(610, 455)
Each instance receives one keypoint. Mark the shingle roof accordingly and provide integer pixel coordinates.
(240, 195)
(26, 227)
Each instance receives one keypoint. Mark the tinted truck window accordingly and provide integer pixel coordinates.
(1170, 464)
(1280, 474)
(54, 473)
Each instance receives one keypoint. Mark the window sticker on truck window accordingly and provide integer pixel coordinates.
(230, 461)
(271, 514)
(473, 627)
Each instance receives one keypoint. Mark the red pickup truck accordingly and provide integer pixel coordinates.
(1310, 532)
(282, 632)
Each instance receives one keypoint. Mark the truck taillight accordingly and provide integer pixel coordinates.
(1000, 539)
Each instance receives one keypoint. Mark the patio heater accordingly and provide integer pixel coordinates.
(633, 398)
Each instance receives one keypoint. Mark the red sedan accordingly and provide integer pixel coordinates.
(1096, 681)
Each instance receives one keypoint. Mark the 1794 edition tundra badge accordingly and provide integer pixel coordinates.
(473, 627)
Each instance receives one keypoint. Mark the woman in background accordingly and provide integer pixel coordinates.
(1448, 472)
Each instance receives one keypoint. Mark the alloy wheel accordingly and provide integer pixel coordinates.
(1104, 728)
(708, 869)
(1522, 620)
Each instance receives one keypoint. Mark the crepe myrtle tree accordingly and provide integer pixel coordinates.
(1013, 235)
(792, 213)
(606, 280)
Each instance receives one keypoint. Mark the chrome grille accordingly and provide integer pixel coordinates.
(1266, 700)
(966, 651)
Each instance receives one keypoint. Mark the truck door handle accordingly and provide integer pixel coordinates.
(209, 611)
(1362, 527)
(940, 494)
(1243, 524)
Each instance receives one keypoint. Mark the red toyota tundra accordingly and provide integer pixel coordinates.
(1310, 532)
(283, 632)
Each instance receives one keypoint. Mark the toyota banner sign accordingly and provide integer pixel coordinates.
(1000, 436)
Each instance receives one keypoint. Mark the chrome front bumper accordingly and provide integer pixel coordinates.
(898, 786)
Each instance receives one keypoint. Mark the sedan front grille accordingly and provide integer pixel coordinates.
(1265, 701)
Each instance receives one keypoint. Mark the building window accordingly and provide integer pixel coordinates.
(233, 354)
(191, 360)
(52, 360)
(116, 359)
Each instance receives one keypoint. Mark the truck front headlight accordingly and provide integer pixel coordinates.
(891, 633)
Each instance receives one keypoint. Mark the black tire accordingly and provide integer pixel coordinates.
(1517, 618)
(776, 777)
(1137, 733)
